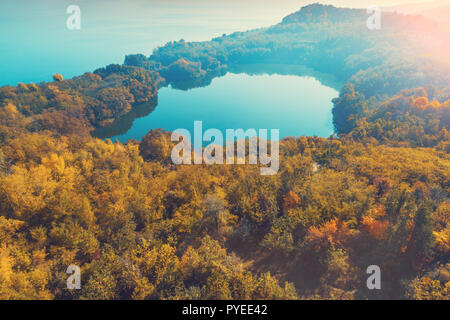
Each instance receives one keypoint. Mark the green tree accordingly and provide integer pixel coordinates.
(348, 108)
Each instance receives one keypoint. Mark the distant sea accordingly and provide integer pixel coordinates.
(35, 42)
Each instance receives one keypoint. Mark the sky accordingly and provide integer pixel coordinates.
(346, 3)
(280, 3)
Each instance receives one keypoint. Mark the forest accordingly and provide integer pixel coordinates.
(140, 227)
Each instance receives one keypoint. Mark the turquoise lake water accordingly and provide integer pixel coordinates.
(295, 105)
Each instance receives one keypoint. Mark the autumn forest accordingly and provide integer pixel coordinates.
(375, 193)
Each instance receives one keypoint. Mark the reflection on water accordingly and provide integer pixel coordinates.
(124, 123)
(295, 100)
(288, 70)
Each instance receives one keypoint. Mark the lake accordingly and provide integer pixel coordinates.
(296, 105)
(35, 43)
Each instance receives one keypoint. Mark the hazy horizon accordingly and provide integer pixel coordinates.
(36, 43)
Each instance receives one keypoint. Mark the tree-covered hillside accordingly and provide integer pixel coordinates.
(141, 227)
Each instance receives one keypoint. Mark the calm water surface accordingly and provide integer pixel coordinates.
(293, 104)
